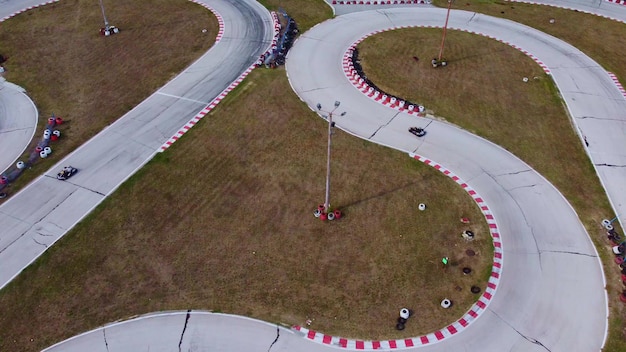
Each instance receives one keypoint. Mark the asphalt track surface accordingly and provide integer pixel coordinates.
(46, 209)
(18, 121)
(551, 293)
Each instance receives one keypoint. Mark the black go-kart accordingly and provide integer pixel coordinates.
(418, 131)
(67, 172)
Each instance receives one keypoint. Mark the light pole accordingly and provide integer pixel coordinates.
(438, 61)
(445, 27)
(331, 124)
(107, 30)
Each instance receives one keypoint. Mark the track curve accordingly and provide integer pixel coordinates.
(18, 121)
(538, 260)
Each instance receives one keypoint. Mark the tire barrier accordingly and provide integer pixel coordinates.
(277, 53)
(56, 134)
(330, 216)
(268, 53)
(446, 303)
(317, 213)
(354, 72)
(475, 289)
(337, 213)
(405, 313)
(41, 151)
(421, 207)
(468, 235)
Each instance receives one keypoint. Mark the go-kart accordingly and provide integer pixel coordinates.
(418, 131)
(66, 173)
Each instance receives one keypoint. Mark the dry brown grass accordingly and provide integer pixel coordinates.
(235, 233)
(223, 221)
(57, 54)
(306, 13)
(600, 38)
(482, 91)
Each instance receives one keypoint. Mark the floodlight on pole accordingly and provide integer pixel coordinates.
(331, 124)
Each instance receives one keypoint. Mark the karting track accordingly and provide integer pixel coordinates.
(551, 291)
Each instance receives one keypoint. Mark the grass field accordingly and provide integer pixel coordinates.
(223, 221)
(482, 91)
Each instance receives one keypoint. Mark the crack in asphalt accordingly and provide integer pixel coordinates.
(471, 18)
(77, 185)
(610, 165)
(106, 344)
(184, 328)
(35, 223)
(532, 232)
(39, 243)
(598, 118)
(15, 130)
(276, 339)
(570, 252)
(528, 186)
(529, 339)
(383, 126)
(386, 15)
(512, 173)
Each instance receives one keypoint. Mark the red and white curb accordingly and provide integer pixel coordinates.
(617, 83)
(274, 44)
(570, 8)
(220, 20)
(475, 311)
(206, 110)
(620, 2)
(381, 2)
(28, 8)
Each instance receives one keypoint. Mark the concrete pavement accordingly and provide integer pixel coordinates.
(18, 121)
